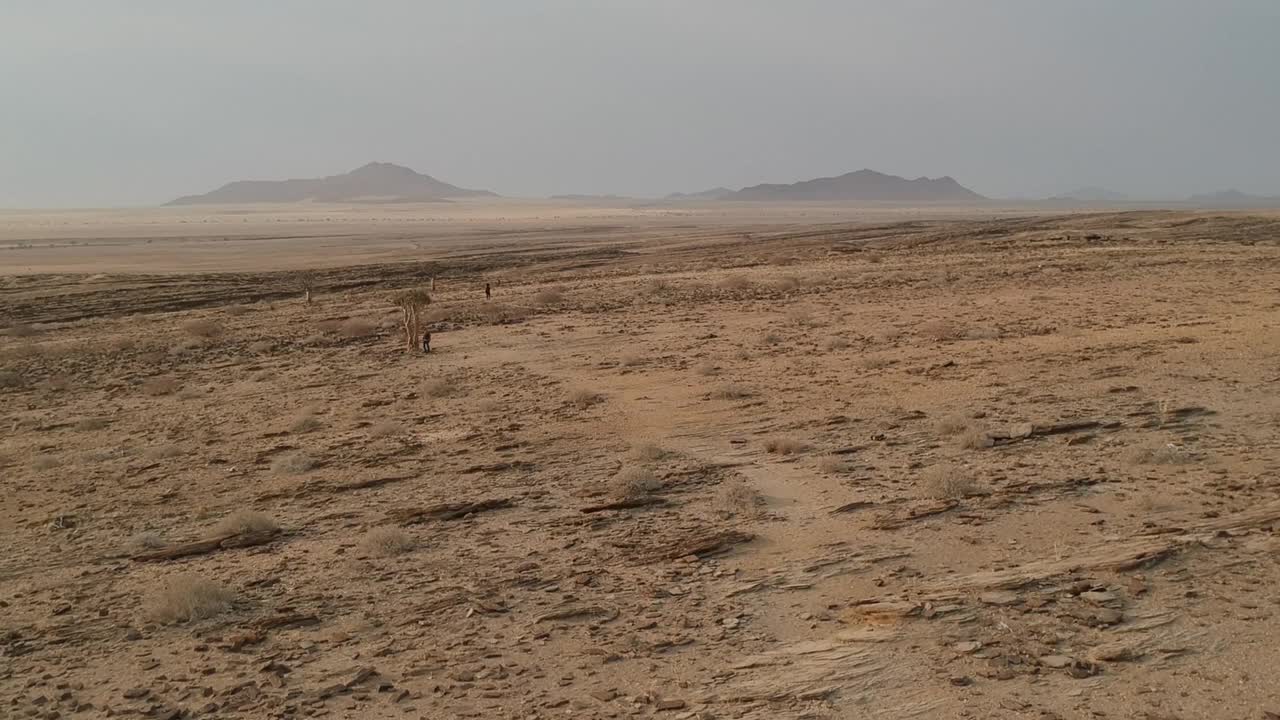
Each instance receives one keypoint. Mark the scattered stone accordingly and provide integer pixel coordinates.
(1056, 661)
(967, 646)
(669, 705)
(135, 693)
(604, 695)
(1000, 598)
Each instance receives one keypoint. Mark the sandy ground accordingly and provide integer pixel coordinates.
(925, 468)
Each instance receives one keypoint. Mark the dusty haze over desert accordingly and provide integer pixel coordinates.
(671, 360)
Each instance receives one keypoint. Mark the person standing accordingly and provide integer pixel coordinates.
(488, 292)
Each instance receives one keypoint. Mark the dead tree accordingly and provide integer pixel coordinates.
(307, 283)
(411, 303)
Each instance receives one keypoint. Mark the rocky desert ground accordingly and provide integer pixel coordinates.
(903, 465)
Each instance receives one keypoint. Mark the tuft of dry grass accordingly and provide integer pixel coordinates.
(386, 428)
(386, 542)
(293, 464)
(147, 540)
(159, 386)
(733, 282)
(707, 368)
(875, 363)
(648, 451)
(189, 597)
(945, 482)
(975, 438)
(440, 387)
(940, 331)
(245, 522)
(206, 329)
(952, 425)
(163, 452)
(770, 339)
(357, 328)
(785, 283)
(584, 398)
(731, 392)
(305, 423)
(738, 499)
(1161, 455)
(45, 462)
(632, 359)
(548, 296)
(634, 482)
(784, 446)
(836, 343)
(834, 464)
(93, 423)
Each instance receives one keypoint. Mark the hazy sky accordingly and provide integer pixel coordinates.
(138, 101)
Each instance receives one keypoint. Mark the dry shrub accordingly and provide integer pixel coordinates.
(147, 540)
(1161, 455)
(245, 522)
(952, 425)
(357, 328)
(10, 379)
(784, 446)
(731, 392)
(440, 387)
(45, 462)
(258, 347)
(584, 398)
(57, 383)
(770, 338)
(632, 359)
(836, 343)
(634, 482)
(293, 463)
(314, 341)
(331, 326)
(940, 331)
(875, 363)
(163, 452)
(88, 424)
(707, 368)
(786, 283)
(834, 464)
(305, 423)
(742, 354)
(733, 282)
(497, 314)
(548, 296)
(158, 386)
(737, 499)
(659, 286)
(975, 438)
(189, 597)
(648, 451)
(945, 482)
(386, 428)
(386, 542)
(205, 328)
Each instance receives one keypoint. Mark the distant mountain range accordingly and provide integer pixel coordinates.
(1091, 194)
(719, 193)
(863, 185)
(1234, 198)
(375, 182)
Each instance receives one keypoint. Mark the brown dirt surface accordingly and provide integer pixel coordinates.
(1022, 467)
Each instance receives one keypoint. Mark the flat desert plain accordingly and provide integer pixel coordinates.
(697, 463)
